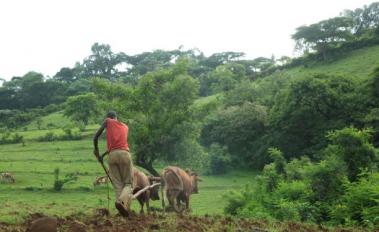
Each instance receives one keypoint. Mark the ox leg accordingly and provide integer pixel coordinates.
(141, 202)
(173, 199)
(187, 201)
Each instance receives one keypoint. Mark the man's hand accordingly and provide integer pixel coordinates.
(97, 154)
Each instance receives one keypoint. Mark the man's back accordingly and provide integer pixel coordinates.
(117, 135)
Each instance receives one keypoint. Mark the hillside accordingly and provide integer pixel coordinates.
(358, 64)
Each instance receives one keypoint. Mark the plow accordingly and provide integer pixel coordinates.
(137, 194)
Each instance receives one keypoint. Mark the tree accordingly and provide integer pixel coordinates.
(323, 35)
(66, 75)
(308, 108)
(102, 62)
(82, 108)
(164, 120)
(158, 113)
(364, 19)
(241, 129)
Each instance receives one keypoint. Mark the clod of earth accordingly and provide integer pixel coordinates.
(45, 224)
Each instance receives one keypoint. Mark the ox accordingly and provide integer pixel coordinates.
(178, 186)
(141, 181)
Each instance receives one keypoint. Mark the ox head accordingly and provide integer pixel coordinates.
(194, 180)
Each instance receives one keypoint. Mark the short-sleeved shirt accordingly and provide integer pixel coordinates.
(117, 135)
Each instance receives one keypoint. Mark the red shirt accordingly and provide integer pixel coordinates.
(117, 135)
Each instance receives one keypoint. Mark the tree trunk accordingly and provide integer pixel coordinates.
(148, 167)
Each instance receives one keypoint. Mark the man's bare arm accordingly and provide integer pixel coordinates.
(96, 138)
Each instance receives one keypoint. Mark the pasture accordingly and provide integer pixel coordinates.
(33, 164)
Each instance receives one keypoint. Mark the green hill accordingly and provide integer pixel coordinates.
(52, 120)
(358, 63)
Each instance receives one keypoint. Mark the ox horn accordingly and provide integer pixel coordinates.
(144, 190)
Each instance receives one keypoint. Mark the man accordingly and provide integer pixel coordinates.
(120, 162)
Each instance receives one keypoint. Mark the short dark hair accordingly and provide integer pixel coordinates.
(111, 114)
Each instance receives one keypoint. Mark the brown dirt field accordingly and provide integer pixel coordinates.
(164, 222)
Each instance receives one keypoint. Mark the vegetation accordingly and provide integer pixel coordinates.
(321, 191)
(308, 124)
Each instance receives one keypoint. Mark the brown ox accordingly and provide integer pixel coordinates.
(178, 186)
(140, 181)
(7, 177)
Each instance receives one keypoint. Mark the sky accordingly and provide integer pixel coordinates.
(46, 35)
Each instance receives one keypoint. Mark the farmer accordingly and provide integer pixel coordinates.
(120, 162)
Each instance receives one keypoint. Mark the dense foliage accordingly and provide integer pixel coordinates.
(340, 188)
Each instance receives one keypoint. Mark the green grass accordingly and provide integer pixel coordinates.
(33, 164)
(359, 63)
(56, 120)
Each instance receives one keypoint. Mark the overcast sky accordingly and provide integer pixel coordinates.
(45, 35)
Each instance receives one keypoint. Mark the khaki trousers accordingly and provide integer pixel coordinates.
(121, 172)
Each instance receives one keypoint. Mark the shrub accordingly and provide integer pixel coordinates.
(360, 203)
(294, 190)
(280, 162)
(354, 148)
(70, 135)
(269, 178)
(9, 138)
(327, 179)
(296, 169)
(58, 183)
(48, 137)
(237, 200)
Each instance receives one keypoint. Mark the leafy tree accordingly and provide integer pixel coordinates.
(310, 107)
(66, 75)
(164, 117)
(158, 111)
(364, 19)
(323, 35)
(241, 129)
(82, 108)
(102, 62)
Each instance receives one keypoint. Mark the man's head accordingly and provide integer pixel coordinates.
(111, 114)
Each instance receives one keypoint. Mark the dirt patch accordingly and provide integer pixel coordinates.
(157, 222)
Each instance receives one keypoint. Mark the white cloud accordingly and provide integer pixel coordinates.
(45, 35)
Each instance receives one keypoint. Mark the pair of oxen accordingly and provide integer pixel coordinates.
(176, 185)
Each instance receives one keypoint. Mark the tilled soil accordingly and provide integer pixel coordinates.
(153, 222)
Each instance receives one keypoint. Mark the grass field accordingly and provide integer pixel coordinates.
(33, 164)
(359, 63)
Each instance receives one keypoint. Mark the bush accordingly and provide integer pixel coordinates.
(360, 203)
(280, 162)
(354, 148)
(220, 160)
(58, 183)
(294, 190)
(48, 137)
(70, 135)
(9, 138)
(296, 169)
(269, 178)
(237, 200)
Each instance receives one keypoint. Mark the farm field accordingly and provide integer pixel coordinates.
(33, 164)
